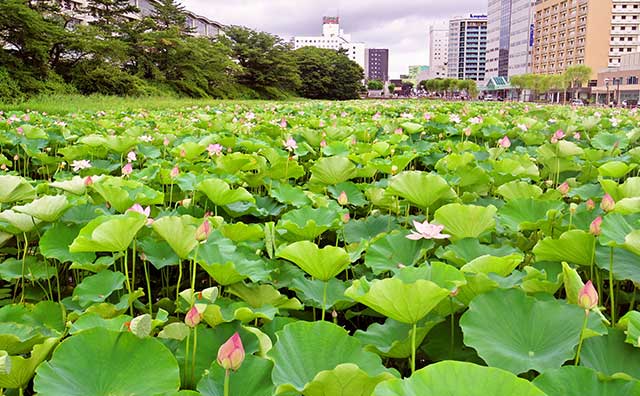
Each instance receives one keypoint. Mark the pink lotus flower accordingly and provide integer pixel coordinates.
(590, 204)
(577, 136)
(127, 169)
(427, 231)
(454, 118)
(523, 127)
(231, 353)
(215, 149)
(20, 130)
(131, 156)
(203, 231)
(290, 144)
(376, 116)
(588, 297)
(557, 136)
(427, 116)
(607, 204)
(138, 208)
(283, 123)
(594, 228)
(79, 165)
(146, 138)
(504, 142)
(174, 172)
(343, 199)
(475, 120)
(564, 188)
(467, 132)
(193, 317)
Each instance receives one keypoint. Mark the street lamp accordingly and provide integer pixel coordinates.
(606, 83)
(617, 81)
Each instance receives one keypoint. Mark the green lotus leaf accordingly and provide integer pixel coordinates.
(439, 346)
(306, 349)
(259, 295)
(14, 189)
(290, 195)
(355, 197)
(392, 251)
(311, 292)
(332, 170)
(411, 127)
(188, 150)
(158, 252)
(220, 193)
(404, 302)
(502, 266)
(322, 264)
(631, 320)
(468, 249)
(32, 269)
(108, 233)
(103, 363)
(615, 169)
(48, 208)
(92, 320)
(22, 368)
(122, 194)
(625, 263)
(98, 287)
(615, 228)
(393, 339)
(422, 189)
(76, 185)
(607, 140)
(527, 213)
(308, 223)
(120, 144)
(240, 232)
(544, 277)
(443, 275)
(458, 379)
(4, 238)
(574, 246)
(519, 190)
(345, 380)
(252, 378)
(368, 228)
(55, 242)
(179, 232)
(17, 223)
(611, 355)
(519, 333)
(583, 381)
(455, 218)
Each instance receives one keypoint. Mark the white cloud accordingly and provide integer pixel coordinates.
(400, 25)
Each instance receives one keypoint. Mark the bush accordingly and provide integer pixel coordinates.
(10, 91)
(107, 80)
(375, 85)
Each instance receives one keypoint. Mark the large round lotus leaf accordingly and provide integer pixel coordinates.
(614, 169)
(219, 192)
(502, 266)
(527, 213)
(615, 228)
(108, 233)
(465, 250)
(625, 263)
(455, 218)
(322, 264)
(179, 232)
(518, 190)
(421, 188)
(312, 293)
(55, 242)
(583, 381)
(98, 287)
(15, 188)
(123, 194)
(48, 208)
(392, 251)
(611, 355)
(21, 368)
(308, 223)
(575, 246)
(252, 378)
(393, 339)
(332, 170)
(16, 223)
(99, 362)
(290, 195)
(631, 320)
(519, 333)
(305, 349)
(344, 380)
(404, 302)
(451, 378)
(368, 228)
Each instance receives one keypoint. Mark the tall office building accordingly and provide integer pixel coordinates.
(509, 37)
(376, 61)
(438, 50)
(333, 38)
(625, 30)
(467, 47)
(574, 32)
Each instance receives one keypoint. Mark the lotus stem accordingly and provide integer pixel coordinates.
(593, 259)
(185, 368)
(413, 348)
(179, 281)
(193, 269)
(226, 382)
(133, 265)
(611, 291)
(25, 249)
(126, 281)
(452, 329)
(193, 356)
(324, 298)
(584, 326)
(148, 281)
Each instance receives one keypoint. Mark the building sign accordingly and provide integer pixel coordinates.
(477, 16)
(331, 20)
(531, 35)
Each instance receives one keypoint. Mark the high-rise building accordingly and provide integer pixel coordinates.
(509, 37)
(574, 32)
(438, 50)
(467, 47)
(333, 38)
(625, 30)
(376, 61)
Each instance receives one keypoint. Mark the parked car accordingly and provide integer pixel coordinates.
(577, 102)
(489, 98)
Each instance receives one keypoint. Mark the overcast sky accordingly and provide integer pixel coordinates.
(401, 26)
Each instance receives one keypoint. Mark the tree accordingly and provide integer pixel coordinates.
(578, 75)
(110, 15)
(168, 14)
(375, 85)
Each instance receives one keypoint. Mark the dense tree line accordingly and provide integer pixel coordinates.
(447, 86)
(44, 50)
(573, 77)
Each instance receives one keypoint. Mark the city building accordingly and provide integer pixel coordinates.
(467, 47)
(625, 30)
(438, 51)
(376, 64)
(619, 84)
(509, 37)
(572, 32)
(333, 38)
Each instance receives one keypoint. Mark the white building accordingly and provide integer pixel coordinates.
(467, 47)
(333, 38)
(438, 51)
(625, 30)
(509, 37)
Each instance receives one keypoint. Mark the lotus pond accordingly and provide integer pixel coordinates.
(358, 248)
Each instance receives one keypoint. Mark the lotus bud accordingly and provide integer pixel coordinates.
(165, 142)
(588, 297)
(175, 172)
(127, 169)
(573, 208)
(193, 317)
(590, 204)
(504, 142)
(454, 292)
(131, 156)
(343, 199)
(231, 353)
(607, 204)
(88, 181)
(334, 314)
(564, 188)
(203, 232)
(346, 217)
(394, 169)
(594, 228)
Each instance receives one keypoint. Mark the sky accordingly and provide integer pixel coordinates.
(402, 26)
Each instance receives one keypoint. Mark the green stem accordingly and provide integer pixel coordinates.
(146, 277)
(193, 358)
(413, 348)
(193, 269)
(24, 264)
(324, 298)
(226, 382)
(179, 281)
(133, 265)
(126, 276)
(584, 326)
(593, 259)
(185, 369)
(452, 329)
(611, 291)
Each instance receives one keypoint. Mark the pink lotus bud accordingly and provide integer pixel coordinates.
(467, 132)
(343, 199)
(203, 232)
(588, 297)
(590, 204)
(193, 317)
(88, 181)
(573, 208)
(346, 217)
(323, 143)
(564, 188)
(504, 142)
(165, 142)
(131, 156)
(20, 130)
(183, 153)
(594, 228)
(231, 353)
(127, 169)
(283, 123)
(577, 136)
(175, 172)
(607, 204)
